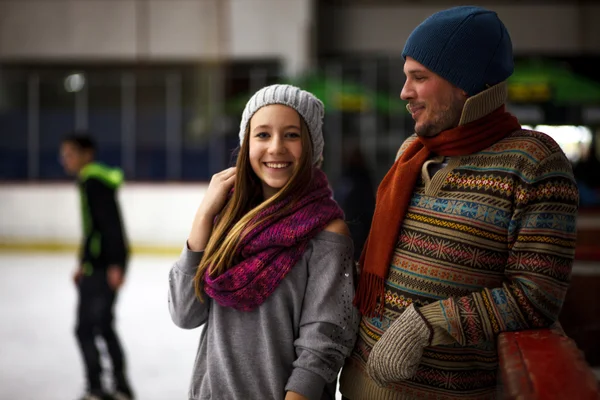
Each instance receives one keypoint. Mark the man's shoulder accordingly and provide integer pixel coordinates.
(407, 142)
(95, 185)
(535, 144)
(526, 153)
(101, 174)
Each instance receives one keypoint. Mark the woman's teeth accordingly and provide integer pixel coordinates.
(277, 165)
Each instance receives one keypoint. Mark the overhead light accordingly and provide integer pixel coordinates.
(74, 83)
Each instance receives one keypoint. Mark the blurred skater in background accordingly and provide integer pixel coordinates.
(102, 263)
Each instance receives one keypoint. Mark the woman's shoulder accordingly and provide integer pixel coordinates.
(332, 249)
(338, 226)
(335, 234)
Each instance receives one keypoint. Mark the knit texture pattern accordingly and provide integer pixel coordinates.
(466, 45)
(397, 354)
(271, 249)
(486, 246)
(394, 195)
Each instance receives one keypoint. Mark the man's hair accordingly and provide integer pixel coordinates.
(83, 141)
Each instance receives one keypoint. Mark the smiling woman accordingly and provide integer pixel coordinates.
(268, 265)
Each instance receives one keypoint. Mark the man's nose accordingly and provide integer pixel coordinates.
(407, 92)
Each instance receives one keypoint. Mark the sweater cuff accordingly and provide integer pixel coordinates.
(434, 315)
(306, 383)
(189, 260)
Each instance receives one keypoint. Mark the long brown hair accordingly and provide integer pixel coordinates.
(245, 204)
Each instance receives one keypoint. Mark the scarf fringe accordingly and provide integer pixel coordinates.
(371, 288)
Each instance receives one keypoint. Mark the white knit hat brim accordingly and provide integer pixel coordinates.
(309, 107)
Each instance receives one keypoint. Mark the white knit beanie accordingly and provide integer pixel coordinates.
(309, 107)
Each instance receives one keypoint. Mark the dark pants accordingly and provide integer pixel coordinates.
(95, 318)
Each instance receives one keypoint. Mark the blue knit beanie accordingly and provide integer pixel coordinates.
(468, 46)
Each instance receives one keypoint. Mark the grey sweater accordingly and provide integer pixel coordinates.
(296, 340)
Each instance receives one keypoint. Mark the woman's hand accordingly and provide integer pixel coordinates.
(216, 194)
(212, 204)
(294, 396)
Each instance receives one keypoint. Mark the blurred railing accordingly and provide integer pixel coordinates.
(544, 365)
(179, 122)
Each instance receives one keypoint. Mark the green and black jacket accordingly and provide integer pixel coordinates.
(104, 242)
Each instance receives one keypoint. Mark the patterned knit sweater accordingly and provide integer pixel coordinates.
(486, 246)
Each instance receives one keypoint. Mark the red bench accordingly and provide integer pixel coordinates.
(543, 365)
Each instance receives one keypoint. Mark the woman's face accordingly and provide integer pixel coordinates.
(275, 146)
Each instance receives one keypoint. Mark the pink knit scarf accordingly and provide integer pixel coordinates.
(269, 251)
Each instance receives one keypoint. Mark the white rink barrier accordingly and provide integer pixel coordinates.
(157, 217)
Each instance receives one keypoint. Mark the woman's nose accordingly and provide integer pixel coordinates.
(277, 146)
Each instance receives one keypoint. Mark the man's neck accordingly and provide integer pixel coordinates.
(83, 167)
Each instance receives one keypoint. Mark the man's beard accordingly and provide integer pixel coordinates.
(446, 119)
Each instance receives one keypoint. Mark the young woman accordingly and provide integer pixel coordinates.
(268, 266)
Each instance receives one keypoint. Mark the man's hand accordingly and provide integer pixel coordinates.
(397, 354)
(77, 275)
(115, 277)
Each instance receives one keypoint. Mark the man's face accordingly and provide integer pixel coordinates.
(72, 158)
(435, 104)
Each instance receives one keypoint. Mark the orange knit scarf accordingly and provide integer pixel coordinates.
(396, 190)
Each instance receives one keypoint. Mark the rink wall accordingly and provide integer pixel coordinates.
(157, 217)
(43, 217)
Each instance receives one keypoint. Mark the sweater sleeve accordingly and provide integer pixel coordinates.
(329, 321)
(186, 310)
(541, 240)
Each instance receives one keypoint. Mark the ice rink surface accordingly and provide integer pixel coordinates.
(39, 359)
